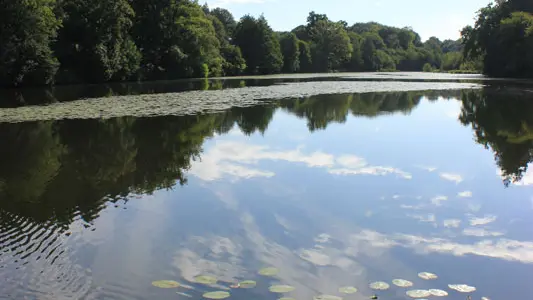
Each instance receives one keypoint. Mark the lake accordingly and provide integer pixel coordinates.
(330, 181)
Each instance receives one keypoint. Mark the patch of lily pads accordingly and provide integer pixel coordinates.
(165, 284)
(269, 271)
(216, 295)
(281, 288)
(418, 294)
(427, 276)
(402, 283)
(379, 285)
(205, 279)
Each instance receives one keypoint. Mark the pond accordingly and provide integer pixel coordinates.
(295, 188)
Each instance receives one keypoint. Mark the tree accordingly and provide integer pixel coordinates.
(330, 46)
(94, 43)
(27, 27)
(291, 52)
(226, 18)
(234, 64)
(176, 39)
(356, 62)
(305, 58)
(259, 45)
(502, 38)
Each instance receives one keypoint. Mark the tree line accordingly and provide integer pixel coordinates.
(502, 38)
(92, 41)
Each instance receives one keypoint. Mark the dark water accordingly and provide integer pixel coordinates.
(332, 190)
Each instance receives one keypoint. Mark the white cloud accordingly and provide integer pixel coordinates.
(234, 159)
(481, 232)
(505, 249)
(429, 218)
(465, 194)
(451, 177)
(452, 223)
(438, 199)
(428, 168)
(474, 221)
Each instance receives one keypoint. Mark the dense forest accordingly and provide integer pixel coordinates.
(502, 39)
(92, 41)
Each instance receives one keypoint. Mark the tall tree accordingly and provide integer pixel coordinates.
(305, 58)
(331, 46)
(259, 45)
(291, 52)
(226, 18)
(176, 39)
(94, 43)
(27, 27)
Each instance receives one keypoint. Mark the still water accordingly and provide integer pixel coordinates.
(331, 190)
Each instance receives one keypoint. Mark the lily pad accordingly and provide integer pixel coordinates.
(438, 293)
(427, 275)
(205, 279)
(484, 298)
(247, 284)
(463, 288)
(165, 284)
(269, 271)
(379, 285)
(418, 293)
(281, 288)
(348, 290)
(286, 298)
(184, 294)
(216, 295)
(327, 297)
(402, 283)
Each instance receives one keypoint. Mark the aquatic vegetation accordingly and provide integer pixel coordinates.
(184, 294)
(379, 285)
(402, 282)
(269, 271)
(165, 284)
(463, 288)
(438, 293)
(286, 298)
(247, 284)
(418, 293)
(427, 275)
(216, 295)
(205, 279)
(281, 288)
(347, 290)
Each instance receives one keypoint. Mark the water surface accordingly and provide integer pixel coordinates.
(333, 190)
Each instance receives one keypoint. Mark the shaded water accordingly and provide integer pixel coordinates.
(332, 190)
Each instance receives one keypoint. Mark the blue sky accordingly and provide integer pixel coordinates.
(443, 19)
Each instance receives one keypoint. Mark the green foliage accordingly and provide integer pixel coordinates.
(226, 18)
(94, 44)
(503, 38)
(234, 63)
(427, 67)
(305, 58)
(176, 38)
(291, 52)
(27, 29)
(330, 43)
(259, 45)
(451, 61)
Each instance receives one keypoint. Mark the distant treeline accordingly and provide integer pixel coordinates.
(503, 38)
(89, 41)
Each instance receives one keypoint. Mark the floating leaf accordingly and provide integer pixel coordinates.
(270, 271)
(347, 290)
(183, 294)
(438, 293)
(286, 298)
(247, 284)
(374, 297)
(463, 288)
(402, 283)
(326, 297)
(216, 295)
(427, 276)
(484, 298)
(418, 293)
(205, 279)
(281, 288)
(379, 285)
(166, 284)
